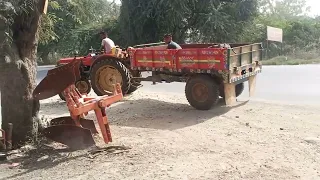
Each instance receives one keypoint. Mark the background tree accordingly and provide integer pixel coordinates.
(70, 20)
(301, 32)
(144, 21)
(19, 26)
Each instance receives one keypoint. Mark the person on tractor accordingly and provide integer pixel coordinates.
(107, 44)
(171, 44)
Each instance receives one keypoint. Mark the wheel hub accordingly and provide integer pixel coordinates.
(200, 92)
(107, 76)
(82, 86)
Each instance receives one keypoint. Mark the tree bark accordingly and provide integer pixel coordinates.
(18, 105)
(18, 72)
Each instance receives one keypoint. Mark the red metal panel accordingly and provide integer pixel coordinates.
(143, 58)
(211, 58)
(164, 59)
(192, 59)
(187, 59)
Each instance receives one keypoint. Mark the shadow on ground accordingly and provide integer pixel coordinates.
(47, 157)
(155, 114)
(150, 113)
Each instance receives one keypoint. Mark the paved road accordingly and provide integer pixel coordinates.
(292, 84)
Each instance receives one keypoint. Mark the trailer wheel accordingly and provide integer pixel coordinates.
(239, 90)
(107, 72)
(83, 86)
(202, 92)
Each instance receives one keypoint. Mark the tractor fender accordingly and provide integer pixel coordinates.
(99, 58)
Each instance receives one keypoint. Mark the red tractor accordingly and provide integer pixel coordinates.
(100, 71)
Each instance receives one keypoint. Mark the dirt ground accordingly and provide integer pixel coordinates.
(159, 136)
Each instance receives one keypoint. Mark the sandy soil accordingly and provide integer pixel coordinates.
(162, 137)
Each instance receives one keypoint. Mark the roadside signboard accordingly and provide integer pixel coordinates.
(274, 34)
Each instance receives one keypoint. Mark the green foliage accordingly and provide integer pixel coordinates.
(63, 29)
(145, 21)
(301, 33)
(74, 24)
(88, 36)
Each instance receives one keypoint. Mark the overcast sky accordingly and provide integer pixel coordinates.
(314, 4)
(315, 7)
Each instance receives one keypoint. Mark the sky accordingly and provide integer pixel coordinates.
(315, 7)
(314, 4)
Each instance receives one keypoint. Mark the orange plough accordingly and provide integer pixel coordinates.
(75, 131)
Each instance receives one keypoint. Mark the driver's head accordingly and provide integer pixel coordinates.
(103, 35)
(167, 38)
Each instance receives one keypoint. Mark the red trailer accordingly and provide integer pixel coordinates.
(209, 70)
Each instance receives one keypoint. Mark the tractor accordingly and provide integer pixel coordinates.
(99, 71)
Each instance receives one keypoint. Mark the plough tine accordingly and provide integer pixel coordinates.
(62, 120)
(75, 131)
(89, 124)
(67, 120)
(73, 136)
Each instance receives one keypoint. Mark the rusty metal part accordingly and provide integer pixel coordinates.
(57, 80)
(75, 131)
(73, 136)
(67, 120)
(77, 108)
(62, 120)
(88, 124)
(83, 86)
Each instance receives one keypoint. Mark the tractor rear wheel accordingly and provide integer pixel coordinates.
(239, 90)
(134, 83)
(202, 92)
(107, 72)
(83, 86)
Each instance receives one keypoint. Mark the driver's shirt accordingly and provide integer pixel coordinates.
(173, 45)
(108, 44)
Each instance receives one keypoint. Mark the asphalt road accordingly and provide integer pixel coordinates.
(289, 84)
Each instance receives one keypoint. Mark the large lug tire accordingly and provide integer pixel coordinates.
(202, 92)
(134, 83)
(105, 73)
(239, 90)
(83, 86)
(62, 96)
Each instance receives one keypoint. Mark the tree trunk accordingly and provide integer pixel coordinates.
(18, 106)
(18, 71)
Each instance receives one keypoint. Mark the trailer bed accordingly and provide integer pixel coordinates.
(236, 63)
